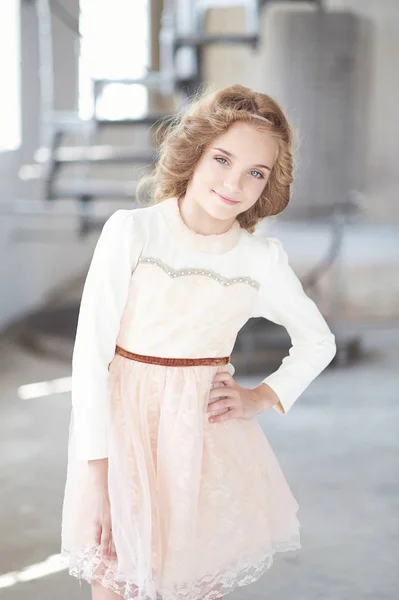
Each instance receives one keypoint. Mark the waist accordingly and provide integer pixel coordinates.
(173, 362)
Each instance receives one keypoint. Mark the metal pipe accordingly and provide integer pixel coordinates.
(46, 71)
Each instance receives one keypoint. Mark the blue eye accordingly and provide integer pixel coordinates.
(218, 158)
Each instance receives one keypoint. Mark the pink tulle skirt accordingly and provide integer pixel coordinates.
(198, 509)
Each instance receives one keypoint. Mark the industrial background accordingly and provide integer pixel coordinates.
(84, 85)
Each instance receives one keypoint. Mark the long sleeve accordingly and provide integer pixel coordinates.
(102, 304)
(282, 300)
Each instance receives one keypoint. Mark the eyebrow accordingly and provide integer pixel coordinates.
(232, 156)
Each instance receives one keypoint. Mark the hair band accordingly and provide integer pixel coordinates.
(262, 118)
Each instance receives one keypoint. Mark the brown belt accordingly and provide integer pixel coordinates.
(173, 362)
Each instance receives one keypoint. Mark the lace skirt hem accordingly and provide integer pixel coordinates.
(88, 566)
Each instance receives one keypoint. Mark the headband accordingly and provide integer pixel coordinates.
(262, 118)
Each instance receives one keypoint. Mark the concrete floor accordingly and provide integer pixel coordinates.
(338, 447)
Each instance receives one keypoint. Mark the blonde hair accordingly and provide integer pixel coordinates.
(182, 138)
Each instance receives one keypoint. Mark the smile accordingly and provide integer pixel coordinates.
(226, 200)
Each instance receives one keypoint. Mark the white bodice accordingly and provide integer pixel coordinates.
(156, 287)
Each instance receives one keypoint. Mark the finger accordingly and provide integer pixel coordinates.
(112, 549)
(224, 416)
(97, 533)
(109, 543)
(222, 394)
(224, 377)
(219, 393)
(227, 402)
(105, 539)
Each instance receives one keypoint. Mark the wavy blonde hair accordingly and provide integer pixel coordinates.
(182, 138)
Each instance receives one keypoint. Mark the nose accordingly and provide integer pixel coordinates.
(233, 184)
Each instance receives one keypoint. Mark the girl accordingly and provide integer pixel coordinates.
(172, 488)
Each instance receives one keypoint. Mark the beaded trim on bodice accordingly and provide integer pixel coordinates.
(199, 271)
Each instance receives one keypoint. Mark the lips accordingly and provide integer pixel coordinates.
(226, 198)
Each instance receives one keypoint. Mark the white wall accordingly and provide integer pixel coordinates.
(28, 270)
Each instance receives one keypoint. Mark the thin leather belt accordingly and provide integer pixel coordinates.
(173, 362)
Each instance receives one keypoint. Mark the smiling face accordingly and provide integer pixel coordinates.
(235, 165)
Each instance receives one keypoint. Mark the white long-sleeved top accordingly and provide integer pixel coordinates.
(156, 287)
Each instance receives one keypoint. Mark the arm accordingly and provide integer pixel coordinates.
(283, 301)
(103, 301)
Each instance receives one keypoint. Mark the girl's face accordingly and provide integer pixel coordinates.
(235, 166)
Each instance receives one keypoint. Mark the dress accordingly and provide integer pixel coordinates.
(198, 508)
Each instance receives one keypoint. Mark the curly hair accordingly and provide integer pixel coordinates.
(182, 138)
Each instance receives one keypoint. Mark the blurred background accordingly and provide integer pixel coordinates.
(84, 85)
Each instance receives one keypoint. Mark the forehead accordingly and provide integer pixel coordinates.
(248, 142)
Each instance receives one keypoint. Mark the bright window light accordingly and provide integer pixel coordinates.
(114, 45)
(10, 113)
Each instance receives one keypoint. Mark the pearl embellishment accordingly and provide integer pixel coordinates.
(193, 271)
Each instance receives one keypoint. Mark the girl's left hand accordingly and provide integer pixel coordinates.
(237, 400)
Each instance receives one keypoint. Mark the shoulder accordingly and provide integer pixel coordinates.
(267, 251)
(120, 217)
(135, 226)
(275, 251)
(270, 264)
(129, 220)
(140, 215)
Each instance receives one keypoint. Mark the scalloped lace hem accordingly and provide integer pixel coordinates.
(87, 565)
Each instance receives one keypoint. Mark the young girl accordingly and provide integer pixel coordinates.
(172, 488)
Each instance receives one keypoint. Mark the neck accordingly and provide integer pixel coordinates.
(199, 220)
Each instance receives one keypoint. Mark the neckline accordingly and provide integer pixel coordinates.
(214, 243)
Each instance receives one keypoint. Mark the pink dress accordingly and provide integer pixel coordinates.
(198, 508)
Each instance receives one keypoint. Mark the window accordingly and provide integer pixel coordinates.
(10, 101)
(114, 45)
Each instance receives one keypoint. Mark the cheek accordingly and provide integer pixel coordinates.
(208, 174)
(255, 185)
(214, 170)
(261, 183)
(254, 189)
